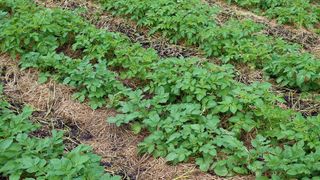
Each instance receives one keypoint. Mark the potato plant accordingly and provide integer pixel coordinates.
(297, 12)
(193, 22)
(194, 110)
(23, 156)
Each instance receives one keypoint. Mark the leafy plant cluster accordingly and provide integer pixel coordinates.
(23, 156)
(298, 12)
(199, 112)
(36, 35)
(193, 22)
(194, 110)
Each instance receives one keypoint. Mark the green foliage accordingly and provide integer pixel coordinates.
(34, 30)
(50, 29)
(236, 40)
(96, 44)
(294, 160)
(95, 82)
(296, 69)
(185, 125)
(179, 20)
(23, 156)
(298, 12)
(192, 109)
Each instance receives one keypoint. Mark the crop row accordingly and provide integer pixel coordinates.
(297, 12)
(193, 109)
(192, 22)
(23, 156)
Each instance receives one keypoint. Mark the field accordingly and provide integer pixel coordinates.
(144, 89)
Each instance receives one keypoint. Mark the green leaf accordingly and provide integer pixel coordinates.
(43, 77)
(204, 163)
(136, 128)
(80, 159)
(221, 170)
(6, 143)
(2, 14)
(172, 156)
